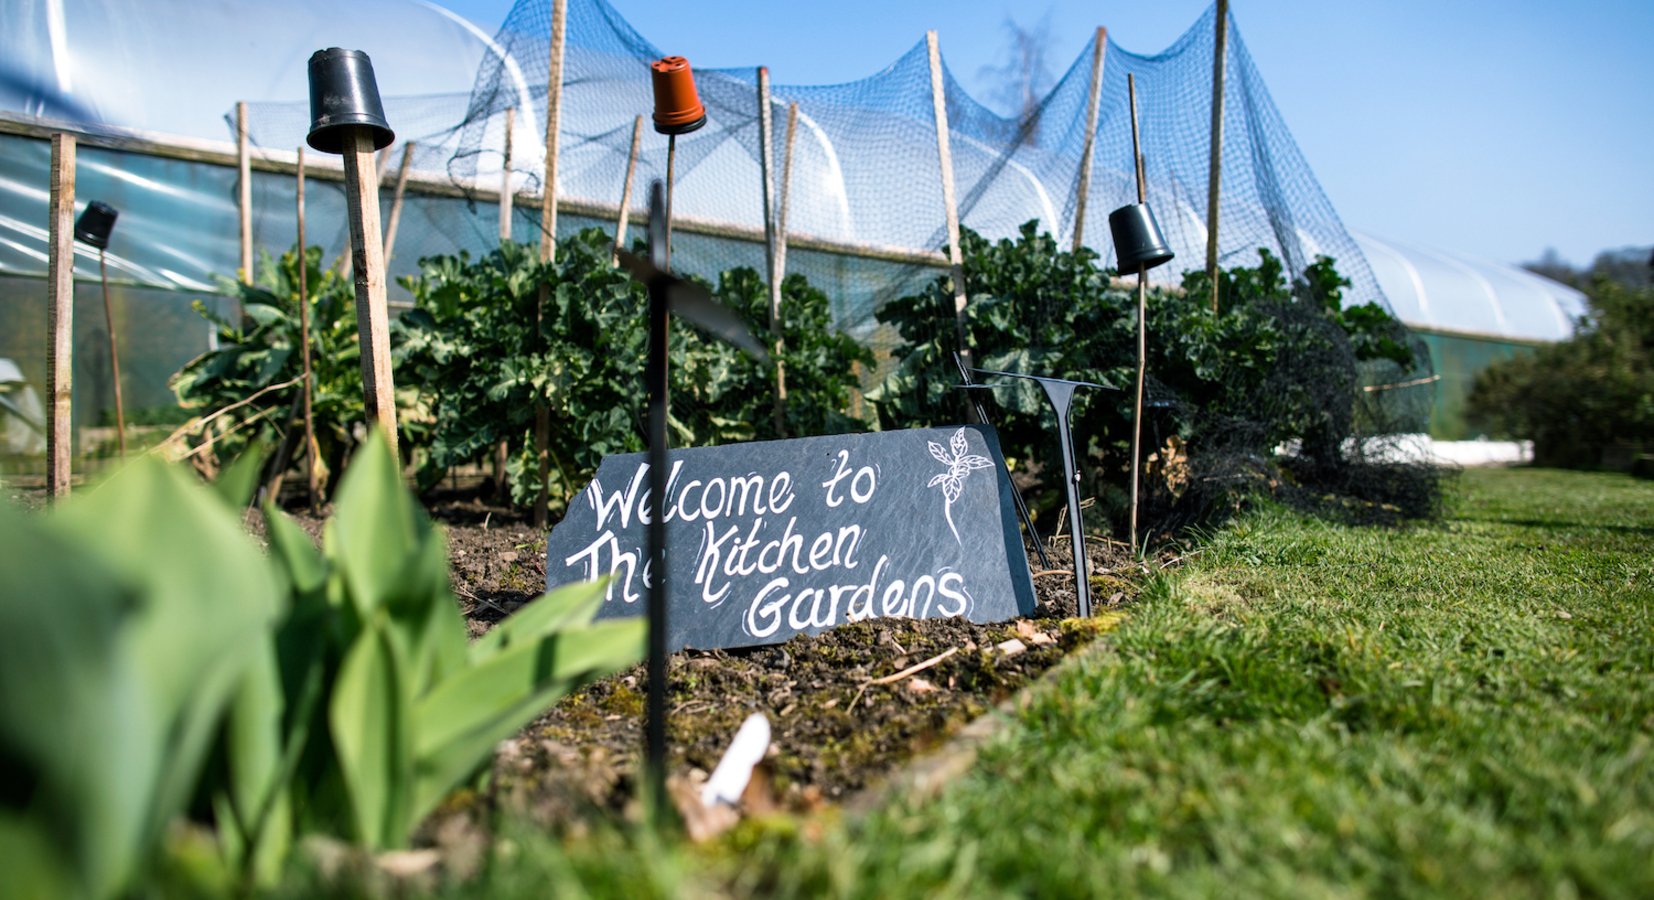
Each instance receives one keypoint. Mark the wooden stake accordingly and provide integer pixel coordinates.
(554, 115)
(780, 273)
(955, 257)
(368, 265)
(114, 357)
(244, 192)
(312, 453)
(505, 177)
(60, 314)
(1086, 155)
(396, 197)
(626, 190)
(766, 165)
(1214, 176)
(1142, 324)
(548, 250)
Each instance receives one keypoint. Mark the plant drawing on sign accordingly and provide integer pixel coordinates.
(952, 481)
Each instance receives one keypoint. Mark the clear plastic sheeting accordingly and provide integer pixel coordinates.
(175, 66)
(1444, 291)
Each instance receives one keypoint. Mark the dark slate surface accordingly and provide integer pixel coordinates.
(773, 538)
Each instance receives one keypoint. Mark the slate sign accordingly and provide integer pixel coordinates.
(775, 538)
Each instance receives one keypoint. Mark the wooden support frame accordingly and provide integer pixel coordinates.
(60, 316)
(956, 262)
(1214, 175)
(244, 191)
(396, 197)
(506, 201)
(548, 246)
(368, 269)
(1083, 189)
(626, 190)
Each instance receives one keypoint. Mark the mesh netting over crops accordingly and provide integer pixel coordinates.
(866, 214)
(866, 220)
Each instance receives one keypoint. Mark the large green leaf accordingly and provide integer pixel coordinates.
(370, 722)
(458, 725)
(569, 606)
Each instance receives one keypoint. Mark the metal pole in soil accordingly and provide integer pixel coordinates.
(1142, 324)
(310, 449)
(671, 158)
(658, 382)
(114, 357)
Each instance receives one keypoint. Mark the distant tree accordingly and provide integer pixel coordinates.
(1629, 266)
(1574, 397)
(1020, 83)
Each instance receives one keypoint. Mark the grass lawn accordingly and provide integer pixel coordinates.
(1458, 709)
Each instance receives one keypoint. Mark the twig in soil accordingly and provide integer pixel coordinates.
(488, 603)
(910, 670)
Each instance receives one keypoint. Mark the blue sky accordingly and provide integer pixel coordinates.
(1492, 128)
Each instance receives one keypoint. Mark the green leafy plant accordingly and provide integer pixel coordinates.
(127, 619)
(471, 346)
(1573, 398)
(367, 706)
(1276, 362)
(240, 379)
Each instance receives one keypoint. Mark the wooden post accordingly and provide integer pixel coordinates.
(554, 115)
(1142, 324)
(396, 196)
(766, 165)
(244, 192)
(114, 357)
(955, 257)
(626, 190)
(1090, 150)
(312, 453)
(368, 266)
(505, 177)
(1214, 177)
(60, 314)
(548, 248)
(780, 265)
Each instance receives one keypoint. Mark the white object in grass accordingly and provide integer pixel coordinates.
(730, 778)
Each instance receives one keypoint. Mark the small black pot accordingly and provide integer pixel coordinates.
(1137, 239)
(95, 223)
(343, 97)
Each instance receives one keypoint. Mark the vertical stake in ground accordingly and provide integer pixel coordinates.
(244, 192)
(778, 273)
(311, 451)
(93, 228)
(60, 314)
(347, 118)
(956, 260)
(1059, 392)
(668, 296)
(548, 253)
(1138, 245)
(1099, 47)
(1214, 175)
(396, 201)
(506, 201)
(626, 188)
(766, 165)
